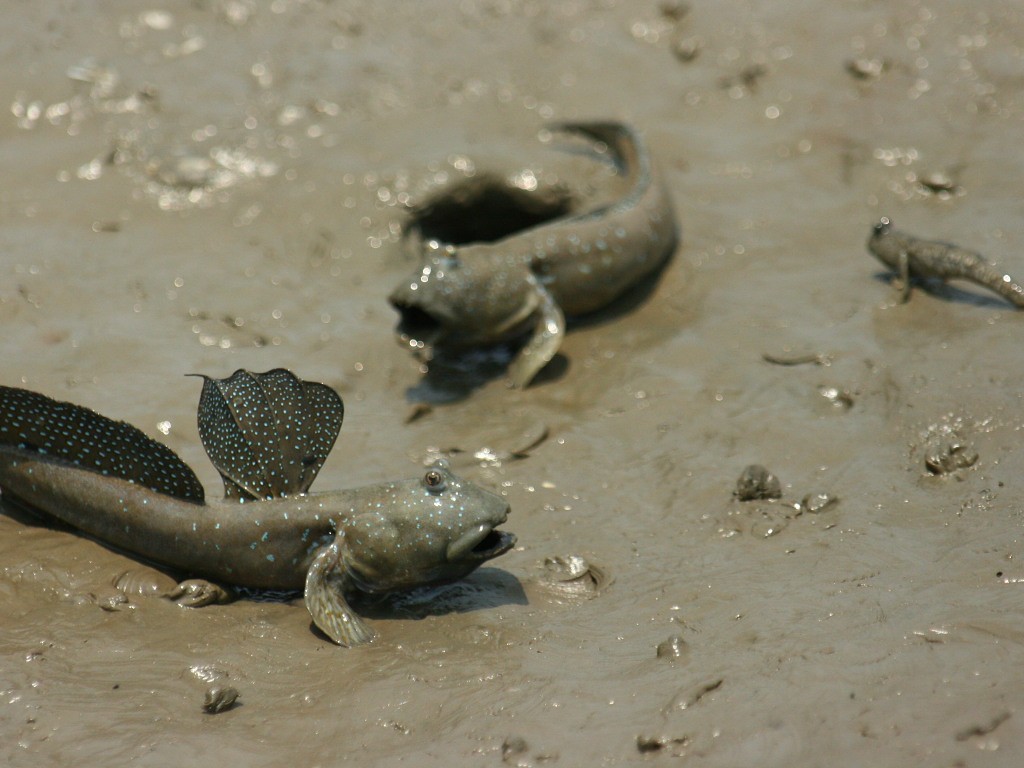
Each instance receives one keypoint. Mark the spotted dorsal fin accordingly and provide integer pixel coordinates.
(67, 433)
(269, 433)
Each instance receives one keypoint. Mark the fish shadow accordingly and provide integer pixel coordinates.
(484, 589)
(454, 374)
(629, 301)
(29, 516)
(947, 292)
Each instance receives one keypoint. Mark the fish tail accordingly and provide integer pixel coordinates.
(50, 430)
(622, 141)
(995, 279)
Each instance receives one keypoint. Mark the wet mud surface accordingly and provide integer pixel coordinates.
(223, 184)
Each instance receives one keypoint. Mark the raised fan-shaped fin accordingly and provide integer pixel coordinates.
(269, 433)
(68, 433)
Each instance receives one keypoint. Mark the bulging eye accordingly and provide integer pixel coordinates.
(434, 480)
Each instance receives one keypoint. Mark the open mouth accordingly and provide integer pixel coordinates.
(480, 543)
(494, 544)
(416, 325)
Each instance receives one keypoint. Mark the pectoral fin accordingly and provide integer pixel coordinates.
(269, 433)
(325, 598)
(902, 283)
(543, 344)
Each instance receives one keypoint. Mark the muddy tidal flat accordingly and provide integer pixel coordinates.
(767, 514)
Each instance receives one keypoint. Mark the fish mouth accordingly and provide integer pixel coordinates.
(494, 544)
(416, 326)
(480, 544)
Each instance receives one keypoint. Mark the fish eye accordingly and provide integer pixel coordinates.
(434, 480)
(882, 226)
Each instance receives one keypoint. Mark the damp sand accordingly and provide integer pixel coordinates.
(217, 185)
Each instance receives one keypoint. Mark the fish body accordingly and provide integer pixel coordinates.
(70, 463)
(529, 281)
(911, 257)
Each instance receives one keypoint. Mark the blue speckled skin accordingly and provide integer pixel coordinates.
(268, 435)
(398, 532)
(485, 292)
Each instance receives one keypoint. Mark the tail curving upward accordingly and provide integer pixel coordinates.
(42, 427)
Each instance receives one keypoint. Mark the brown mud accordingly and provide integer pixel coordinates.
(222, 184)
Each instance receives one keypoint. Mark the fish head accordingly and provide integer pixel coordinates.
(462, 296)
(885, 243)
(430, 530)
(433, 529)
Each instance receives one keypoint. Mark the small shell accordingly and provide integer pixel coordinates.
(756, 482)
(575, 576)
(219, 698)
